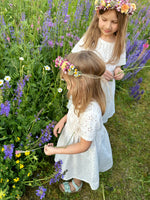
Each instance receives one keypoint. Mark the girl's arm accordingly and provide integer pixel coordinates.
(60, 125)
(79, 147)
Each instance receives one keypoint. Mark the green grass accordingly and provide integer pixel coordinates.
(129, 130)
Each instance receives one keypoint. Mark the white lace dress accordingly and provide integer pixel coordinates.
(104, 51)
(98, 158)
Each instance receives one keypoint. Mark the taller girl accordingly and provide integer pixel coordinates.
(106, 37)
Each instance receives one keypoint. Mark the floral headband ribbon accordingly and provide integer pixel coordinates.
(122, 6)
(66, 67)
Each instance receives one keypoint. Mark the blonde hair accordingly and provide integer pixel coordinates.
(93, 33)
(86, 87)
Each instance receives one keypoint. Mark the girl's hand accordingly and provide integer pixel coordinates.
(108, 75)
(118, 73)
(59, 126)
(49, 149)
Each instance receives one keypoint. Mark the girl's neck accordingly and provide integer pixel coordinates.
(110, 39)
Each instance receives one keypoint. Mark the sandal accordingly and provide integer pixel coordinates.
(67, 187)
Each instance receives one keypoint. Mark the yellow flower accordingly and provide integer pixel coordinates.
(28, 174)
(17, 161)
(16, 179)
(2, 194)
(3, 149)
(21, 166)
(96, 2)
(13, 186)
(1, 180)
(63, 65)
(7, 180)
(18, 139)
(103, 3)
(133, 6)
(18, 155)
(124, 8)
(27, 153)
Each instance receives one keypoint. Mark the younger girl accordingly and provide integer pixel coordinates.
(106, 37)
(83, 145)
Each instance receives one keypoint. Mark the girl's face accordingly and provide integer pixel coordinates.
(108, 24)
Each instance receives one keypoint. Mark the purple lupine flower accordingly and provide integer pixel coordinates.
(19, 90)
(58, 170)
(135, 90)
(46, 133)
(5, 108)
(8, 150)
(41, 192)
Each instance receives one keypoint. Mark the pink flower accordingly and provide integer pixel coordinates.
(145, 46)
(8, 38)
(31, 25)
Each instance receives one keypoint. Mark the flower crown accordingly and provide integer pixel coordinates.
(66, 66)
(122, 6)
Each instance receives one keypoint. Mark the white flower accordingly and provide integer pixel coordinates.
(60, 90)
(21, 58)
(1, 82)
(47, 67)
(7, 78)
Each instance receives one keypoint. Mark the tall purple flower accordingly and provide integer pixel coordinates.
(135, 90)
(41, 192)
(5, 108)
(8, 150)
(19, 90)
(58, 172)
(46, 133)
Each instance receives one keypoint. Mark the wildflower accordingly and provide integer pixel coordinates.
(145, 46)
(41, 192)
(17, 161)
(31, 25)
(16, 180)
(1, 82)
(7, 78)
(21, 58)
(13, 186)
(28, 174)
(27, 153)
(47, 67)
(60, 90)
(50, 43)
(8, 150)
(5, 108)
(2, 149)
(1, 180)
(18, 139)
(18, 155)
(7, 180)
(2, 194)
(21, 166)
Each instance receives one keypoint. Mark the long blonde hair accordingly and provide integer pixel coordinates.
(86, 88)
(93, 33)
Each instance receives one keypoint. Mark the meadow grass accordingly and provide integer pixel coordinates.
(129, 131)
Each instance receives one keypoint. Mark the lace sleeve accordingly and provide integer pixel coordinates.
(90, 123)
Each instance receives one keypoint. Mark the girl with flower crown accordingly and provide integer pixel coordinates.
(83, 145)
(106, 37)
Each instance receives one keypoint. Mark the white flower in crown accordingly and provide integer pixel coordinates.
(60, 90)
(47, 67)
(1, 82)
(7, 78)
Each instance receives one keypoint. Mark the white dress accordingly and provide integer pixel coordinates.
(98, 158)
(104, 51)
